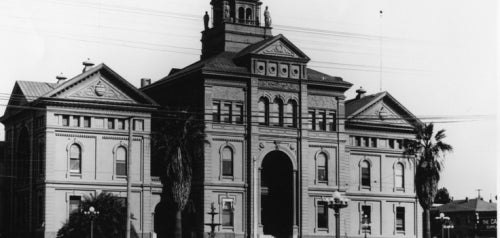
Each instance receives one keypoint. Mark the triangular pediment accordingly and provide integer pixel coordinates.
(383, 110)
(96, 87)
(100, 84)
(277, 46)
(382, 113)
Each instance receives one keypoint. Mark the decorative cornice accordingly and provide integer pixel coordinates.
(75, 135)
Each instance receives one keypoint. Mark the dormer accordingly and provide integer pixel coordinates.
(275, 57)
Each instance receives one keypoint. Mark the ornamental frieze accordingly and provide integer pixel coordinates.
(278, 49)
(278, 85)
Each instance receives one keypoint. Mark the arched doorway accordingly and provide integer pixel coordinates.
(277, 195)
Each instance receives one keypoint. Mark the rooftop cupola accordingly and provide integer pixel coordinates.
(236, 24)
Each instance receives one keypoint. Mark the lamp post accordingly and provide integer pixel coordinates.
(449, 226)
(92, 213)
(442, 218)
(336, 202)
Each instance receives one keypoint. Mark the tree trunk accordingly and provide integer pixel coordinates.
(178, 223)
(426, 223)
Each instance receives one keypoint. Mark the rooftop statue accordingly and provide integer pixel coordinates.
(206, 19)
(267, 18)
(227, 13)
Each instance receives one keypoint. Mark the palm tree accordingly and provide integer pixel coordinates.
(428, 150)
(177, 143)
(110, 222)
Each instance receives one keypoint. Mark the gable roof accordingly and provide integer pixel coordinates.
(33, 90)
(261, 45)
(356, 106)
(29, 92)
(142, 97)
(470, 205)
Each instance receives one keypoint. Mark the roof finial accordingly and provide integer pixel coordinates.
(361, 93)
(88, 64)
(61, 77)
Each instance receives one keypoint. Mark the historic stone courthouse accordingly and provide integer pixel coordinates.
(281, 137)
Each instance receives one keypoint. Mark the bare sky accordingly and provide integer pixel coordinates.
(439, 57)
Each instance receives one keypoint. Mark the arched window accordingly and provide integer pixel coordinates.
(291, 113)
(277, 112)
(399, 175)
(75, 159)
(263, 111)
(249, 15)
(121, 161)
(227, 161)
(365, 174)
(321, 168)
(241, 15)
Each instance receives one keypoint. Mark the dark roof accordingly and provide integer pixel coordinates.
(322, 77)
(471, 205)
(33, 90)
(353, 105)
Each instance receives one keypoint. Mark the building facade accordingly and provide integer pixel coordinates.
(469, 217)
(69, 139)
(283, 136)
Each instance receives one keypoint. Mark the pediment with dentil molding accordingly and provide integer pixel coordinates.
(97, 88)
(278, 48)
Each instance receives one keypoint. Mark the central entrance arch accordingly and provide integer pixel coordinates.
(277, 195)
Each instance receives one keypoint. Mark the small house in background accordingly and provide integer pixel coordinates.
(469, 217)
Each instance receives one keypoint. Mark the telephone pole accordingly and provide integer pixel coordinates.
(129, 174)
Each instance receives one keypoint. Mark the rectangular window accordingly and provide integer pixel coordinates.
(86, 121)
(391, 143)
(111, 123)
(76, 121)
(322, 214)
(322, 120)
(120, 124)
(227, 213)
(366, 141)
(121, 161)
(238, 114)
(332, 121)
(74, 204)
(358, 141)
(373, 142)
(65, 120)
(216, 112)
(366, 217)
(400, 219)
(226, 113)
(311, 120)
(138, 125)
(400, 144)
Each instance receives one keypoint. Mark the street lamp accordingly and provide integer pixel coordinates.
(448, 226)
(336, 202)
(442, 218)
(92, 214)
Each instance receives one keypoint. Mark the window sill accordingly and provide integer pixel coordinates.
(400, 232)
(225, 177)
(74, 174)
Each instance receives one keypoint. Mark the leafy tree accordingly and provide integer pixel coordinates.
(178, 143)
(428, 151)
(110, 222)
(442, 196)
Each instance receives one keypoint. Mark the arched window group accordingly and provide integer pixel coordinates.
(245, 16)
(277, 113)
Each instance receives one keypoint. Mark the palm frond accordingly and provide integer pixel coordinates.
(440, 135)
